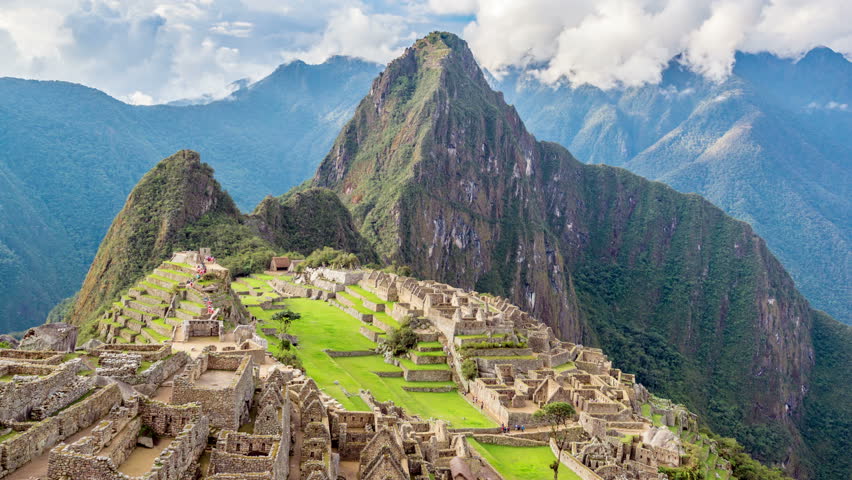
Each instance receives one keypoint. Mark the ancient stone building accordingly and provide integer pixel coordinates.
(222, 384)
(243, 455)
(99, 455)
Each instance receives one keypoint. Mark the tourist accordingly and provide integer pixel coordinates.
(523, 429)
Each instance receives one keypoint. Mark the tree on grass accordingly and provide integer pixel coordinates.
(283, 320)
(558, 416)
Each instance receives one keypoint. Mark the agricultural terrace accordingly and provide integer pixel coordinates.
(521, 463)
(323, 327)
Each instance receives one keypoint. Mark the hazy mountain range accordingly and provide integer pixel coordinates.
(771, 145)
(71, 154)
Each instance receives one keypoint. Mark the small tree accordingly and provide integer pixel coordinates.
(558, 416)
(284, 319)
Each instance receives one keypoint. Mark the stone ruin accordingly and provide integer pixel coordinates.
(247, 456)
(223, 384)
(99, 455)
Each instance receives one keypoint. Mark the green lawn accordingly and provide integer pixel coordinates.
(521, 463)
(325, 327)
(565, 366)
(367, 294)
(413, 366)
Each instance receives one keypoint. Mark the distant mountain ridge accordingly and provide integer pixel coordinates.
(71, 154)
(770, 145)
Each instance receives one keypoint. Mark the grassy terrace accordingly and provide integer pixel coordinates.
(413, 366)
(565, 366)
(323, 326)
(521, 463)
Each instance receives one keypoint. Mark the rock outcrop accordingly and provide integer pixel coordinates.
(58, 337)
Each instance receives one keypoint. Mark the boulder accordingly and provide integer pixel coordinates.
(59, 337)
(91, 345)
(146, 442)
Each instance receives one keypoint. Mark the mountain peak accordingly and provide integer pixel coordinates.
(177, 192)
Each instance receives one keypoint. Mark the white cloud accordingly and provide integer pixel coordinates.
(233, 29)
(453, 7)
(351, 31)
(629, 42)
(172, 49)
(139, 98)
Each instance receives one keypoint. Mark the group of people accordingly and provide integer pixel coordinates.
(506, 429)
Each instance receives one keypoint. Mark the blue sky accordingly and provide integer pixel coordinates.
(149, 51)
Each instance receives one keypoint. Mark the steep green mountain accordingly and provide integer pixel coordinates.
(178, 205)
(441, 174)
(71, 154)
(770, 146)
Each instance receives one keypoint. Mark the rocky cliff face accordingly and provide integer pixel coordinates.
(441, 174)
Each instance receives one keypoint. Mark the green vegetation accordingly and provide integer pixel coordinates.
(330, 257)
(8, 436)
(324, 327)
(520, 463)
(401, 340)
(469, 369)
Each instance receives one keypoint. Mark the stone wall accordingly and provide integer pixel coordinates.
(519, 364)
(19, 396)
(178, 461)
(250, 348)
(507, 440)
(226, 406)
(427, 375)
(241, 453)
(149, 353)
(46, 357)
(168, 420)
(364, 317)
(40, 437)
(574, 465)
(349, 353)
(344, 277)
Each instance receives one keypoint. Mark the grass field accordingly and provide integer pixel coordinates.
(522, 463)
(325, 327)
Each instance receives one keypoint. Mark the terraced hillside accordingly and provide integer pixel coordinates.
(153, 309)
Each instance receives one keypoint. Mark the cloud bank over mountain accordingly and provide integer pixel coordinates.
(610, 43)
(153, 51)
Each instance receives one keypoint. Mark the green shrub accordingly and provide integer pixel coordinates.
(330, 257)
(469, 369)
(401, 340)
(289, 358)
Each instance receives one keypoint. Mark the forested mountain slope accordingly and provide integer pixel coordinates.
(441, 174)
(770, 145)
